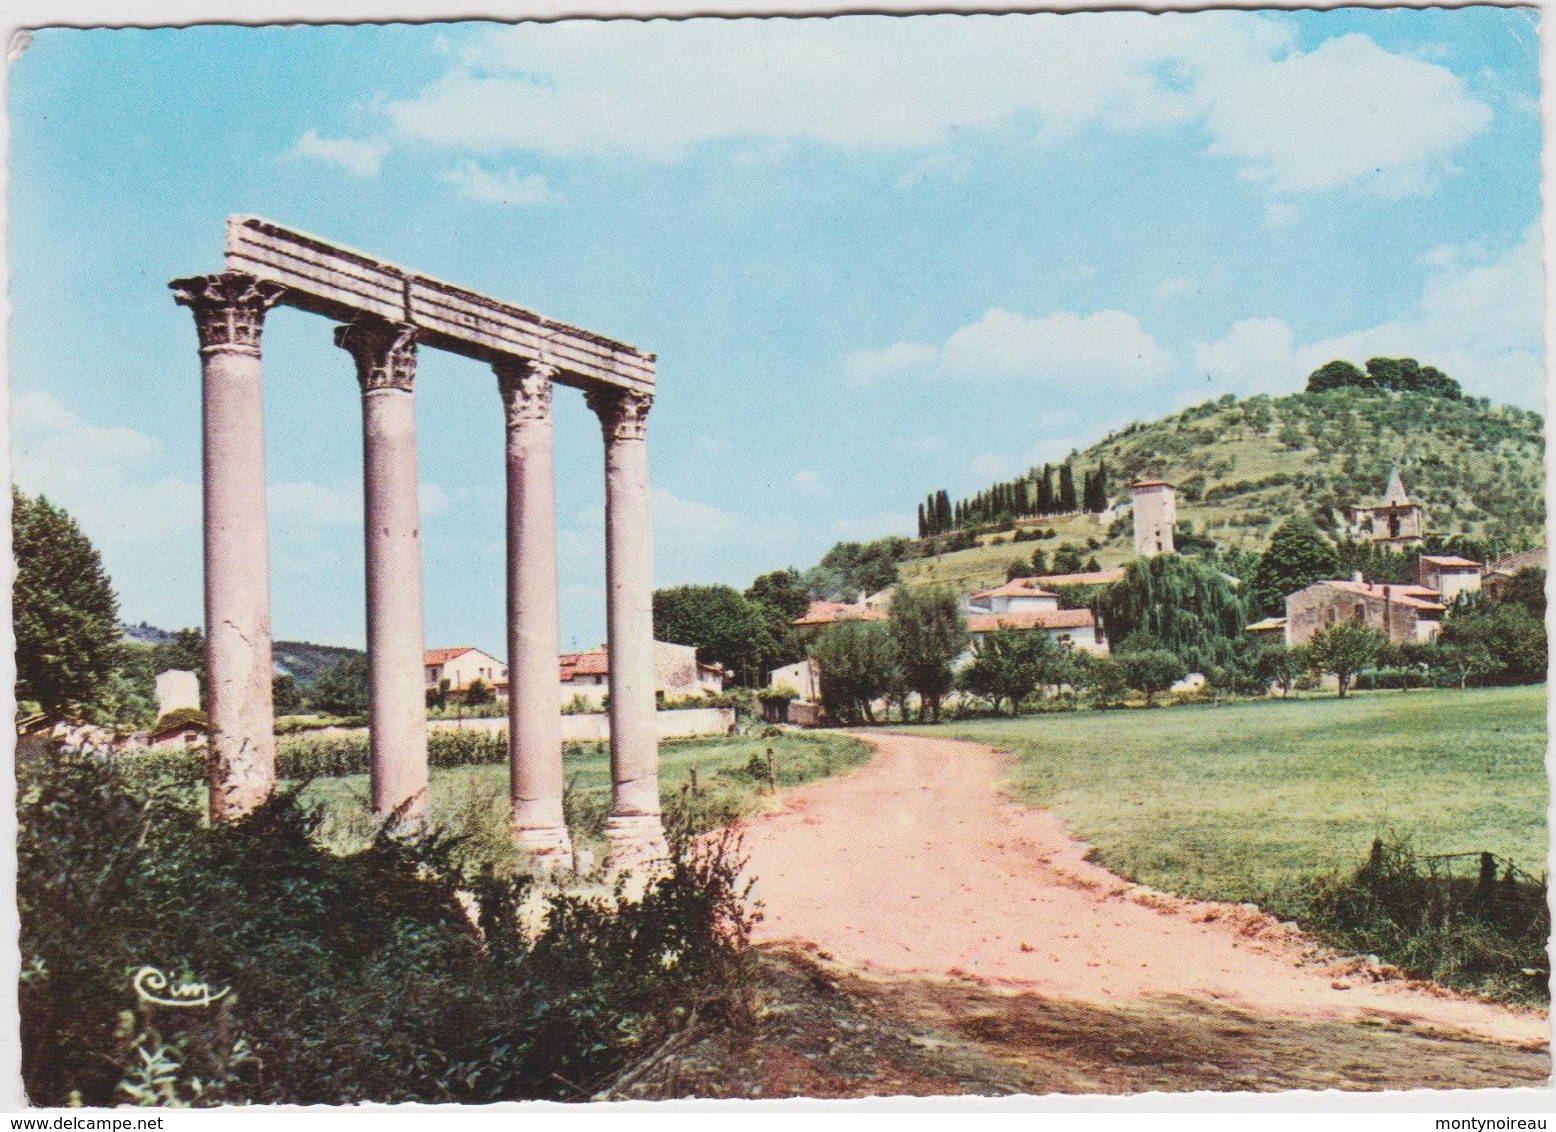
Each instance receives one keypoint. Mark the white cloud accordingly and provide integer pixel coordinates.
(1281, 215)
(919, 445)
(1346, 111)
(359, 158)
(1480, 322)
(505, 187)
(868, 366)
(314, 504)
(1108, 347)
(807, 481)
(1169, 289)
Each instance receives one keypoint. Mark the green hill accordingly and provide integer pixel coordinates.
(1243, 466)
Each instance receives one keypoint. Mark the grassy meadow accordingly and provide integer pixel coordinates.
(1230, 802)
(472, 801)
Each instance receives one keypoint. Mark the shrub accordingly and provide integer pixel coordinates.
(1467, 920)
(354, 977)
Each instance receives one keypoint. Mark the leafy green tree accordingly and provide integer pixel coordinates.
(857, 663)
(721, 623)
(1282, 666)
(284, 694)
(780, 596)
(341, 689)
(851, 567)
(1499, 642)
(1004, 667)
(1334, 375)
(64, 612)
(1039, 563)
(1018, 568)
(1298, 556)
(1180, 603)
(1152, 671)
(1527, 588)
(928, 632)
(1068, 560)
(478, 692)
(1344, 648)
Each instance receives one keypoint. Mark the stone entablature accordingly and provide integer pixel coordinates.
(387, 312)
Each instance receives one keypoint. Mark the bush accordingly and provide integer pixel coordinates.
(353, 977)
(1482, 928)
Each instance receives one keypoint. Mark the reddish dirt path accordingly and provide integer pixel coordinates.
(915, 864)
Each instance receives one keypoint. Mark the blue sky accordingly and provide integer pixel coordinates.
(875, 255)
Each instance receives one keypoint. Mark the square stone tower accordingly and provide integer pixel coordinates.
(1156, 513)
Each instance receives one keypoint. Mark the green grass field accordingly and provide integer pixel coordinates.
(1231, 802)
(472, 801)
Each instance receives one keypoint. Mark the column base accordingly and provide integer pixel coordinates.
(551, 846)
(636, 842)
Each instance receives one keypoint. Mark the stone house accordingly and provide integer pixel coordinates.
(463, 665)
(678, 674)
(1449, 575)
(1400, 612)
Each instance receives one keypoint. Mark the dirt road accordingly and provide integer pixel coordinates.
(915, 865)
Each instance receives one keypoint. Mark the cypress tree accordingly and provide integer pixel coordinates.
(1045, 492)
(922, 529)
(1066, 489)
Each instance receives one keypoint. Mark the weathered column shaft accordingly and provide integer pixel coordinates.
(634, 827)
(229, 312)
(534, 683)
(385, 354)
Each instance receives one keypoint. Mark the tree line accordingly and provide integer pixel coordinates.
(1033, 495)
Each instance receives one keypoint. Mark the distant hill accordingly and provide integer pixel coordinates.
(303, 660)
(1243, 466)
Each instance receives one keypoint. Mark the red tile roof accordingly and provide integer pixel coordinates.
(595, 663)
(443, 656)
(1087, 578)
(1149, 483)
(1032, 619)
(1449, 560)
(1416, 597)
(1019, 587)
(831, 612)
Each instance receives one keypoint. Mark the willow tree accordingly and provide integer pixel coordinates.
(1178, 603)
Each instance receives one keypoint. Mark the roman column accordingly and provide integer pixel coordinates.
(229, 311)
(385, 354)
(534, 684)
(634, 830)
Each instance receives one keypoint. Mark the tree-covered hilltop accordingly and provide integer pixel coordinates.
(1242, 467)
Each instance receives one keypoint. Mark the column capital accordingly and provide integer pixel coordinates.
(385, 352)
(525, 386)
(229, 309)
(623, 413)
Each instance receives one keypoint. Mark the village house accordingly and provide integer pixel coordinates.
(1448, 575)
(1023, 595)
(1400, 612)
(1073, 627)
(678, 674)
(461, 666)
(1500, 572)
